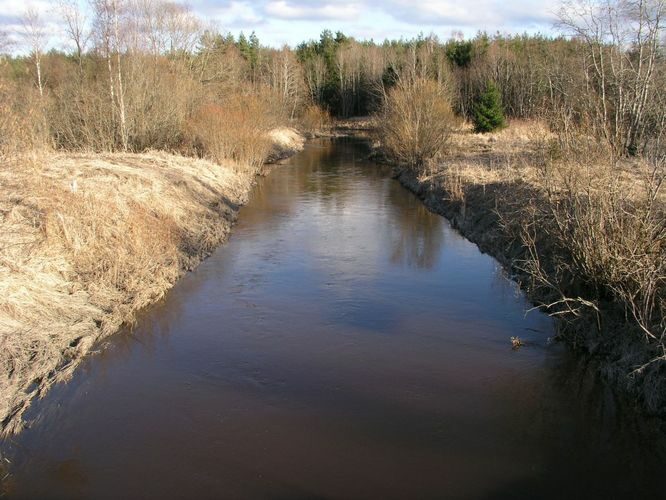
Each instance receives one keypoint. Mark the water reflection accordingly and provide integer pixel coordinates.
(419, 235)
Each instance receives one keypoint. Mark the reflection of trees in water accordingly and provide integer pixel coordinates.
(326, 170)
(420, 233)
(330, 169)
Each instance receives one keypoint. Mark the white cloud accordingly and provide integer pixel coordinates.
(230, 13)
(11, 22)
(16, 8)
(474, 13)
(283, 9)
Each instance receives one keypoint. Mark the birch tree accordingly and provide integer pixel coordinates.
(76, 29)
(34, 33)
(622, 44)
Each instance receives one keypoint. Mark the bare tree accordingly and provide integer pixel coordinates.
(284, 75)
(349, 66)
(622, 45)
(219, 66)
(75, 27)
(107, 29)
(35, 36)
(182, 28)
(315, 77)
(103, 35)
(121, 91)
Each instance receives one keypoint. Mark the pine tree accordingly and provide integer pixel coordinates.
(488, 114)
(255, 46)
(244, 46)
(460, 53)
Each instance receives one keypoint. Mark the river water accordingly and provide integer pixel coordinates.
(345, 343)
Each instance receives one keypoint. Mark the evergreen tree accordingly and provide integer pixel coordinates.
(255, 46)
(244, 46)
(460, 53)
(488, 114)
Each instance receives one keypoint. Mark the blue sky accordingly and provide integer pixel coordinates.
(277, 22)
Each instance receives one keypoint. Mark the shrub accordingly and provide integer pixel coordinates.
(23, 125)
(315, 119)
(416, 122)
(235, 129)
(607, 236)
(488, 114)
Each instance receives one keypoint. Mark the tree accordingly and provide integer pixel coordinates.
(4, 41)
(284, 75)
(622, 42)
(250, 50)
(35, 36)
(75, 27)
(488, 114)
(107, 28)
(460, 52)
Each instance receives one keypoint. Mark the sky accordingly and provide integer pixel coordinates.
(279, 22)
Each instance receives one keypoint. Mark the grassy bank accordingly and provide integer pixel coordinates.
(89, 239)
(585, 240)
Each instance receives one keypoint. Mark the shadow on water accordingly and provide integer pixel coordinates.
(346, 343)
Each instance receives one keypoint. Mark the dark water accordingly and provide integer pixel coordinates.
(346, 343)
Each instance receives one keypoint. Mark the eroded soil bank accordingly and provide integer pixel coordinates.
(90, 239)
(477, 188)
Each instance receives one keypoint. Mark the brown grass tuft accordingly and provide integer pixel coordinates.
(315, 120)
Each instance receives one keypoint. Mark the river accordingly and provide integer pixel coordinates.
(345, 343)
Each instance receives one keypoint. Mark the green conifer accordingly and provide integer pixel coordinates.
(488, 114)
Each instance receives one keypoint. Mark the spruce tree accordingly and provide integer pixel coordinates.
(488, 114)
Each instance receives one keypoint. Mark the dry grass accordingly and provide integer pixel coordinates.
(285, 142)
(519, 152)
(87, 241)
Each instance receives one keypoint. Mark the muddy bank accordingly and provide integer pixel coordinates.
(473, 210)
(90, 239)
(487, 185)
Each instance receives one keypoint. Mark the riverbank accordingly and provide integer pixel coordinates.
(492, 189)
(90, 239)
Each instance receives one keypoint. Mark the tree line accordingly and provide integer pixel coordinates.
(139, 72)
